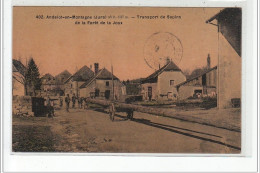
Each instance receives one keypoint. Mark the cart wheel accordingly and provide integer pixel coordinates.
(130, 114)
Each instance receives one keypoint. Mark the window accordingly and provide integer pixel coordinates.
(107, 83)
(171, 82)
(96, 92)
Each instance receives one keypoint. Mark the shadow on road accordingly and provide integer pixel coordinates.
(173, 129)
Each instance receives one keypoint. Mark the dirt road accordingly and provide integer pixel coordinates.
(92, 131)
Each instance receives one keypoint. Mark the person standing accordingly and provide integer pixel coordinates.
(85, 104)
(61, 101)
(67, 100)
(73, 101)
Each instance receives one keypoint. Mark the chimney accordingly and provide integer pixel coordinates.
(90, 67)
(96, 66)
(208, 62)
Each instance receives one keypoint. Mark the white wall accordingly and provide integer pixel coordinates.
(164, 78)
(229, 69)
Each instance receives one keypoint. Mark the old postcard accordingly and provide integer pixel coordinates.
(126, 79)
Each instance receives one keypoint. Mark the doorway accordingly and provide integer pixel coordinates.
(107, 94)
(150, 93)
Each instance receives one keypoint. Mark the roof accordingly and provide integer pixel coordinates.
(103, 74)
(83, 74)
(223, 13)
(47, 76)
(229, 24)
(171, 66)
(209, 70)
(62, 77)
(19, 67)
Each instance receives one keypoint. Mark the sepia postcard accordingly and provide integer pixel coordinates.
(126, 80)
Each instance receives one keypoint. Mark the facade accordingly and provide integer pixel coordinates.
(48, 83)
(18, 78)
(203, 85)
(60, 80)
(161, 85)
(73, 83)
(229, 62)
(102, 86)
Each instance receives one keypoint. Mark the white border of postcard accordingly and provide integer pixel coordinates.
(101, 162)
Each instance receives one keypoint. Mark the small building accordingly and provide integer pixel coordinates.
(102, 85)
(48, 82)
(229, 51)
(18, 78)
(203, 85)
(73, 83)
(60, 80)
(161, 85)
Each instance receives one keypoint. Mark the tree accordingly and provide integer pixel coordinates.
(32, 76)
(197, 72)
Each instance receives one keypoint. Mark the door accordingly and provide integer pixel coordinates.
(107, 94)
(150, 93)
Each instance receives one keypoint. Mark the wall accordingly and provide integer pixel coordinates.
(211, 78)
(186, 91)
(164, 86)
(18, 88)
(229, 70)
(119, 88)
(144, 91)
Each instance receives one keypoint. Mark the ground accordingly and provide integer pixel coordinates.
(92, 131)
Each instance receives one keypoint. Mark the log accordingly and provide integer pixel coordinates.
(164, 113)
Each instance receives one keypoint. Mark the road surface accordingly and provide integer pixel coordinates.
(93, 131)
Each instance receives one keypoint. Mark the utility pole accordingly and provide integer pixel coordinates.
(113, 93)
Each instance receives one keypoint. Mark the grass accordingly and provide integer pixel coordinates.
(30, 138)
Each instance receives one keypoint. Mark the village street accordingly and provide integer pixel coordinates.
(93, 131)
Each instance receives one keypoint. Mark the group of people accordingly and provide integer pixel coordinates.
(82, 102)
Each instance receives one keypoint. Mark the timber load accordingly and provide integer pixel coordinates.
(164, 113)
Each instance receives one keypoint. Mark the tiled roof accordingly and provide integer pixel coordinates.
(103, 74)
(47, 76)
(83, 74)
(209, 70)
(171, 66)
(62, 77)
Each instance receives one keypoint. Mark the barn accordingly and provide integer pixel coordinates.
(203, 85)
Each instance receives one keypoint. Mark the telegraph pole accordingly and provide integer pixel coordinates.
(113, 93)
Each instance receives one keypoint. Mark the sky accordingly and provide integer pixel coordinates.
(60, 44)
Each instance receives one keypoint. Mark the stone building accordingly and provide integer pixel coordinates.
(60, 80)
(102, 85)
(73, 83)
(161, 85)
(203, 85)
(48, 82)
(229, 55)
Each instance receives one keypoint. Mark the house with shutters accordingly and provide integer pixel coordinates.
(102, 85)
(73, 83)
(161, 85)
